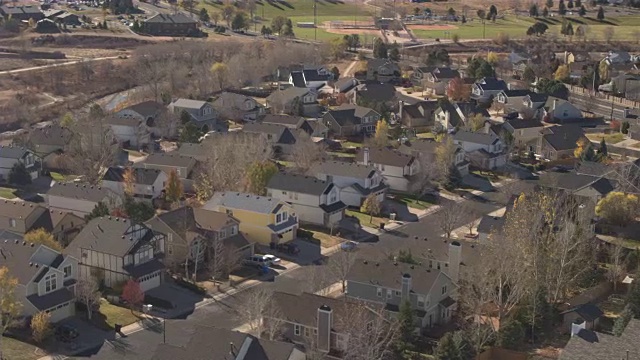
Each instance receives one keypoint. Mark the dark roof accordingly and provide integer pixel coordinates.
(18, 10)
(141, 176)
(51, 135)
(563, 137)
(592, 168)
(249, 202)
(287, 95)
(281, 134)
(314, 75)
(441, 73)
(299, 184)
(377, 62)
(122, 120)
(341, 168)
(377, 92)
(110, 235)
(186, 220)
(490, 83)
(524, 124)
(51, 299)
(333, 207)
(170, 159)
(237, 241)
(413, 110)
(177, 18)
(349, 114)
(87, 192)
(16, 255)
(18, 209)
(146, 108)
(297, 79)
(516, 93)
(350, 82)
(386, 156)
(590, 345)
(143, 269)
(588, 311)
(538, 97)
(13, 152)
(574, 182)
(447, 302)
(489, 224)
(274, 119)
(388, 274)
(207, 343)
(475, 137)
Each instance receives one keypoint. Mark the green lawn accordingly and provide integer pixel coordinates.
(351, 144)
(57, 176)
(113, 314)
(367, 220)
(411, 201)
(608, 138)
(18, 350)
(7, 193)
(325, 239)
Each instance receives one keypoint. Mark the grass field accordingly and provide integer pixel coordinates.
(366, 220)
(608, 138)
(112, 314)
(625, 28)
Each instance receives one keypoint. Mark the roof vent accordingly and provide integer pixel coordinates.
(415, 237)
(30, 264)
(24, 243)
(425, 238)
(16, 241)
(32, 244)
(364, 262)
(37, 265)
(123, 236)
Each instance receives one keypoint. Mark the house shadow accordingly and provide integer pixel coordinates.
(171, 301)
(400, 210)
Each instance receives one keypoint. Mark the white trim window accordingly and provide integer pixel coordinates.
(50, 283)
(389, 293)
(379, 292)
(67, 271)
(296, 330)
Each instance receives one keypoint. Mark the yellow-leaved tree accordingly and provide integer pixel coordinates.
(10, 306)
(371, 206)
(618, 208)
(562, 73)
(382, 133)
(174, 189)
(42, 237)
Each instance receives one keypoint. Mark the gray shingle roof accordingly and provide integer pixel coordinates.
(52, 135)
(377, 92)
(573, 182)
(588, 311)
(122, 121)
(249, 202)
(589, 345)
(18, 209)
(298, 183)
(563, 137)
(280, 133)
(170, 159)
(146, 108)
(13, 152)
(474, 137)
(286, 120)
(50, 300)
(141, 176)
(189, 104)
(386, 156)
(341, 168)
(177, 18)
(524, 124)
(287, 95)
(388, 274)
(491, 84)
(110, 235)
(79, 191)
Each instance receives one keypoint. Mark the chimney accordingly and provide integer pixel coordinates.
(232, 349)
(455, 258)
(577, 325)
(487, 127)
(366, 156)
(325, 319)
(406, 286)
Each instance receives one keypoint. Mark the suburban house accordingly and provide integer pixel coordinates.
(281, 138)
(349, 120)
(310, 78)
(535, 101)
(398, 169)
(237, 107)
(200, 152)
(189, 231)
(344, 85)
(525, 132)
(263, 219)
(487, 89)
(512, 100)
(626, 84)
(131, 132)
(114, 250)
(484, 151)
(206, 342)
(375, 93)
(589, 313)
(323, 320)
(558, 111)
(46, 278)
(21, 13)
(11, 156)
(48, 142)
(289, 121)
(80, 199)
(64, 226)
(593, 188)
(148, 112)
(21, 217)
(587, 344)
(420, 74)
(177, 24)
(68, 18)
(436, 80)
(559, 142)
(314, 201)
(427, 148)
(202, 114)
(294, 100)
(147, 183)
(383, 70)
(389, 283)
(355, 181)
(418, 114)
(168, 162)
(450, 116)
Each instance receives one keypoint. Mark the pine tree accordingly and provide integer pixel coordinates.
(98, 211)
(603, 148)
(622, 321)
(600, 13)
(633, 298)
(446, 349)
(406, 320)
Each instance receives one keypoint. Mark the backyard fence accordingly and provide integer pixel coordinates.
(616, 100)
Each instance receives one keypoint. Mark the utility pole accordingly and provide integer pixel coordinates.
(315, 20)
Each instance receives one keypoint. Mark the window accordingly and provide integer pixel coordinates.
(12, 222)
(306, 331)
(67, 271)
(284, 216)
(333, 198)
(379, 292)
(229, 212)
(444, 289)
(50, 283)
(315, 331)
(398, 293)
(72, 224)
(389, 293)
(222, 234)
(296, 330)
(278, 218)
(420, 301)
(234, 230)
(284, 193)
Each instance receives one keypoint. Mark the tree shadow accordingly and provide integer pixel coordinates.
(576, 20)
(275, 5)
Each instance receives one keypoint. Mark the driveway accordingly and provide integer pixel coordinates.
(89, 336)
(477, 182)
(400, 209)
(309, 252)
(184, 301)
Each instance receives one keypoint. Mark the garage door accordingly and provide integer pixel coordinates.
(149, 281)
(62, 311)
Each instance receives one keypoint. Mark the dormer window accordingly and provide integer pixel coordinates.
(50, 283)
(67, 271)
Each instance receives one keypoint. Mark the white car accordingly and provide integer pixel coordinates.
(272, 258)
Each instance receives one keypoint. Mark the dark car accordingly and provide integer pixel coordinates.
(511, 116)
(288, 248)
(66, 333)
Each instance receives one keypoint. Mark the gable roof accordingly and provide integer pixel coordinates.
(442, 73)
(188, 103)
(413, 110)
(516, 93)
(50, 135)
(342, 168)
(177, 18)
(524, 124)
(281, 119)
(574, 182)
(378, 92)
(287, 95)
(590, 345)
(146, 108)
(80, 191)
(588, 311)
(299, 184)
(19, 10)
(349, 114)
(168, 159)
(388, 274)
(492, 84)
(475, 137)
(18, 209)
(592, 168)
(13, 152)
(244, 201)
(114, 119)
(140, 175)
(187, 221)
(562, 137)
(349, 82)
(110, 235)
(297, 79)
(281, 134)
(537, 97)
(386, 156)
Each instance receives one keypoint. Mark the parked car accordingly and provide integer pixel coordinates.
(66, 333)
(288, 248)
(257, 260)
(272, 258)
(348, 245)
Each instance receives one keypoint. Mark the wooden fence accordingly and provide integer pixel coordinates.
(616, 100)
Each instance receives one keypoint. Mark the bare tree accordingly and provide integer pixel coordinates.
(369, 334)
(256, 306)
(616, 267)
(88, 294)
(306, 153)
(217, 251)
(319, 280)
(151, 68)
(340, 264)
(427, 177)
(449, 217)
(475, 218)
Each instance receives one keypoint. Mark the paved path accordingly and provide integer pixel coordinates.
(34, 68)
(349, 69)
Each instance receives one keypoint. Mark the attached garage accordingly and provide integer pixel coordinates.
(150, 281)
(62, 311)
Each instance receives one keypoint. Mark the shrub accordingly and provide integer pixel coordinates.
(191, 286)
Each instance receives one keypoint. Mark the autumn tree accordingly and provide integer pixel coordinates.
(227, 13)
(41, 326)
(381, 137)
(174, 189)
(584, 149)
(258, 175)
(476, 122)
(449, 218)
(259, 311)
(42, 237)
(88, 293)
(562, 73)
(92, 148)
(445, 157)
(9, 304)
(128, 181)
(132, 294)
(618, 208)
(306, 153)
(220, 71)
(457, 90)
(371, 206)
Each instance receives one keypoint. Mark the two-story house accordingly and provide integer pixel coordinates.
(129, 131)
(11, 156)
(588, 344)
(238, 107)
(348, 120)
(355, 181)
(46, 278)
(398, 169)
(202, 114)
(525, 133)
(512, 100)
(289, 121)
(21, 217)
(449, 116)
(437, 80)
(191, 233)
(168, 162)
(48, 142)
(484, 151)
(417, 114)
(293, 100)
(310, 78)
(147, 183)
(425, 150)
(430, 291)
(559, 111)
(487, 89)
(114, 250)
(80, 199)
(149, 112)
(280, 137)
(177, 24)
(375, 94)
(314, 201)
(534, 101)
(344, 85)
(263, 219)
(383, 70)
(559, 142)
(64, 226)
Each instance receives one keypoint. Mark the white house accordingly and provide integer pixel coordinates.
(557, 110)
(46, 278)
(315, 201)
(12, 155)
(396, 168)
(119, 250)
(485, 151)
(80, 199)
(129, 130)
(355, 181)
(448, 116)
(147, 183)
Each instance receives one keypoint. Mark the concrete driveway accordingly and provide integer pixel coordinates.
(400, 209)
(477, 182)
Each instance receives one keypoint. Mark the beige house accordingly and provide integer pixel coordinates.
(80, 199)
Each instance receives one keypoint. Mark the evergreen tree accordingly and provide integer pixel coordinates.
(562, 8)
(138, 211)
(406, 320)
(549, 4)
(533, 10)
(174, 189)
(622, 321)
(529, 75)
(511, 334)
(603, 148)
(380, 50)
(600, 13)
(578, 3)
(394, 53)
(446, 349)
(582, 11)
(19, 175)
(633, 298)
(98, 211)
(545, 12)
(570, 4)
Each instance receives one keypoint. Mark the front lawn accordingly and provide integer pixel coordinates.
(7, 193)
(57, 176)
(18, 350)
(411, 201)
(322, 236)
(608, 138)
(110, 315)
(426, 135)
(367, 220)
